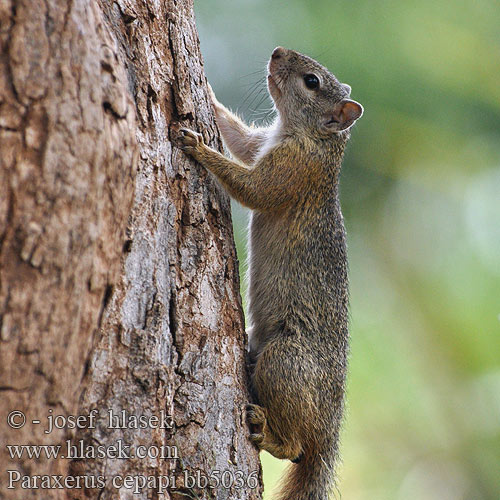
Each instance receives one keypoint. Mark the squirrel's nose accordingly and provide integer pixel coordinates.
(278, 52)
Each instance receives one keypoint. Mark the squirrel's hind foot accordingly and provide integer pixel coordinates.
(262, 435)
(256, 418)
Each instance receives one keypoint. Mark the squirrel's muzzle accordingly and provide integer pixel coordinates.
(278, 52)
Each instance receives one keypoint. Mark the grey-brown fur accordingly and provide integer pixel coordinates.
(298, 293)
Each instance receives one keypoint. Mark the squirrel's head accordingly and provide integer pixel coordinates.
(307, 95)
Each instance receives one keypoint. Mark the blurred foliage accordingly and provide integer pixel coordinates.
(420, 192)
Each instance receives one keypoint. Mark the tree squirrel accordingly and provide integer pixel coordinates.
(288, 174)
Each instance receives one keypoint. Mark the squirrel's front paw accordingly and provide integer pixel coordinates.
(190, 141)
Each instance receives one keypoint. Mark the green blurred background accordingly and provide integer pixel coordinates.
(420, 192)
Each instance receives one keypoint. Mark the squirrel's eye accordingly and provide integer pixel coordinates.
(311, 81)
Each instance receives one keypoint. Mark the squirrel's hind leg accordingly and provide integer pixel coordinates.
(263, 436)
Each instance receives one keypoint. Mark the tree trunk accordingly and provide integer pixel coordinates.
(119, 286)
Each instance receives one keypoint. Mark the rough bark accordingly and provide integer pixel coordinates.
(118, 284)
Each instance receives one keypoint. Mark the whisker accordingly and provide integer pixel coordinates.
(261, 71)
(262, 112)
(251, 83)
(264, 97)
(255, 97)
(251, 92)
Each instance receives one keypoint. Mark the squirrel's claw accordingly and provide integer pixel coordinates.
(255, 414)
(189, 140)
(256, 418)
(257, 439)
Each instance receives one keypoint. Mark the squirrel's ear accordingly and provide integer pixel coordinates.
(344, 114)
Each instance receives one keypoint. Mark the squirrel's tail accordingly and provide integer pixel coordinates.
(312, 478)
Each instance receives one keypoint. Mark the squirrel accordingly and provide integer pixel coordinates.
(288, 175)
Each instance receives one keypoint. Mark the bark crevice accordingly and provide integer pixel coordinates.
(118, 284)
